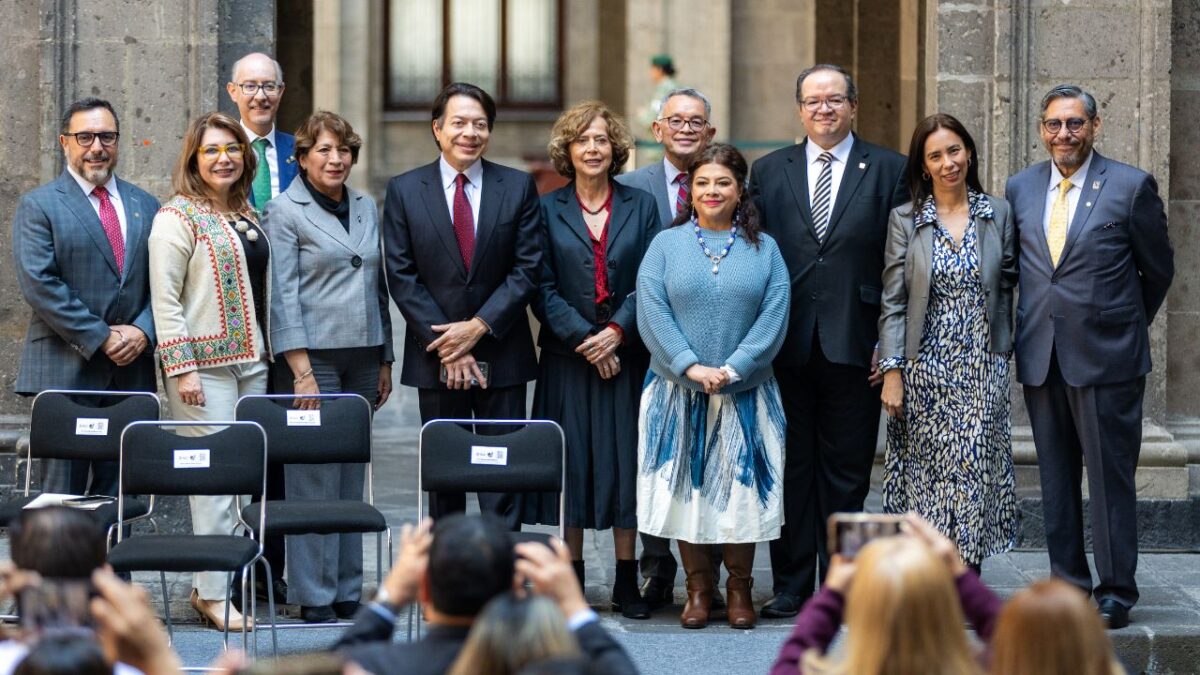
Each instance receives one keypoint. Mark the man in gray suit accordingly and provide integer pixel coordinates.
(1095, 266)
(79, 248)
(684, 128)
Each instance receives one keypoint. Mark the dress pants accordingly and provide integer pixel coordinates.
(507, 403)
(328, 568)
(1101, 426)
(215, 514)
(832, 428)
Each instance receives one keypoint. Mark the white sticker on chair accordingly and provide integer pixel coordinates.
(304, 418)
(91, 426)
(489, 454)
(191, 459)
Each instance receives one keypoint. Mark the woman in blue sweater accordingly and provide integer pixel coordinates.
(712, 307)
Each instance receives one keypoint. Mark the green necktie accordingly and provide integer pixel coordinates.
(262, 177)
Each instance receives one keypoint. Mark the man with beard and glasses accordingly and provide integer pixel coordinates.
(79, 248)
(1095, 264)
(256, 86)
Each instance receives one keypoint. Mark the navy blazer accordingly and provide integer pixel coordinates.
(836, 284)
(566, 305)
(67, 272)
(1093, 310)
(431, 286)
(285, 149)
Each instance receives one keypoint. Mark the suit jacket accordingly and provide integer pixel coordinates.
(431, 285)
(651, 178)
(67, 272)
(908, 274)
(1094, 309)
(566, 305)
(836, 284)
(285, 147)
(330, 290)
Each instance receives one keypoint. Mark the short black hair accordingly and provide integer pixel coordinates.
(64, 655)
(57, 542)
(463, 89)
(84, 104)
(851, 88)
(470, 562)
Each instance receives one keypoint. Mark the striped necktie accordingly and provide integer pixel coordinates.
(681, 197)
(821, 202)
(1056, 233)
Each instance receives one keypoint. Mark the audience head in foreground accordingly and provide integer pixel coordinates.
(1050, 628)
(512, 632)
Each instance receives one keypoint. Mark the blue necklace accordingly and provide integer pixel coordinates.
(716, 259)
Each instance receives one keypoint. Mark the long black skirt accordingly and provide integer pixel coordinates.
(599, 419)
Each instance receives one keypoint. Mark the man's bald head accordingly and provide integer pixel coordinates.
(256, 86)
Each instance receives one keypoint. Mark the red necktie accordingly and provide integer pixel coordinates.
(464, 221)
(112, 226)
(681, 198)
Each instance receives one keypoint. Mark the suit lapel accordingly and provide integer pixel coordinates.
(77, 203)
(1089, 194)
(797, 175)
(358, 221)
(490, 201)
(572, 216)
(1042, 178)
(285, 147)
(320, 218)
(434, 198)
(619, 215)
(658, 187)
(134, 225)
(857, 164)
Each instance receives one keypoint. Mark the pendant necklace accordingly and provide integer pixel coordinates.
(716, 259)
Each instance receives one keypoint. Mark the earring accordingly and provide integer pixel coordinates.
(924, 175)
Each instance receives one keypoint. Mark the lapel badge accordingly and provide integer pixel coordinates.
(862, 165)
(1088, 204)
(1095, 186)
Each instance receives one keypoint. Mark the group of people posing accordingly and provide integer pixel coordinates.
(750, 320)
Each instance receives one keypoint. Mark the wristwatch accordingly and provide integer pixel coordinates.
(384, 599)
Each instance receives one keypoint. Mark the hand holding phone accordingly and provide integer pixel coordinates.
(849, 532)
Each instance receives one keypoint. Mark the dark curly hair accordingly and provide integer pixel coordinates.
(745, 216)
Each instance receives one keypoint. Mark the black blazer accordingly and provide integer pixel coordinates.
(566, 305)
(430, 284)
(836, 285)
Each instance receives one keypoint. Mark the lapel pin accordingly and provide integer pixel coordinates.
(1088, 204)
(1095, 186)
(862, 165)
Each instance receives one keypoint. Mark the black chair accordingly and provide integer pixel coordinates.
(156, 461)
(66, 424)
(340, 433)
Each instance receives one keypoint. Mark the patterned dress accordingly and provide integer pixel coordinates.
(949, 457)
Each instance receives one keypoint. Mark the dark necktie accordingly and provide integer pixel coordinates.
(821, 202)
(681, 197)
(464, 221)
(112, 226)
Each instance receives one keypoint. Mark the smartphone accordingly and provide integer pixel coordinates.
(56, 605)
(849, 532)
(484, 369)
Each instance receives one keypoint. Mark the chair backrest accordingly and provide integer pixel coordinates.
(229, 461)
(455, 459)
(338, 431)
(86, 424)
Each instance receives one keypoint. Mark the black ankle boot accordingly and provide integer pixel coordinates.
(626, 598)
(578, 565)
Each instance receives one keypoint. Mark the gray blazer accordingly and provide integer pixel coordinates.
(329, 289)
(651, 178)
(67, 272)
(907, 272)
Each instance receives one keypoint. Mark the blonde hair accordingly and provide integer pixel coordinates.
(1049, 628)
(903, 616)
(513, 632)
(571, 125)
(186, 180)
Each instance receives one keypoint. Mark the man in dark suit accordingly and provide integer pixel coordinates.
(826, 201)
(79, 250)
(463, 249)
(453, 573)
(256, 86)
(1095, 264)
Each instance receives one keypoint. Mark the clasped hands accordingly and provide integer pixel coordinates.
(601, 351)
(124, 344)
(712, 379)
(454, 347)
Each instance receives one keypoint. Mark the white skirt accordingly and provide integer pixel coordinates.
(710, 467)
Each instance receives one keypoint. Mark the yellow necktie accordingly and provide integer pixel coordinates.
(1056, 234)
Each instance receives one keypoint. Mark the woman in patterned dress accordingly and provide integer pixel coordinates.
(945, 337)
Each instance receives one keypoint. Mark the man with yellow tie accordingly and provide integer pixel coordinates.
(1095, 266)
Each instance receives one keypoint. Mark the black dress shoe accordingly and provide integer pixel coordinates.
(782, 606)
(322, 614)
(347, 609)
(658, 593)
(1115, 614)
(279, 586)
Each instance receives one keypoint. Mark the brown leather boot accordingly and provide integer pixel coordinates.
(739, 560)
(699, 585)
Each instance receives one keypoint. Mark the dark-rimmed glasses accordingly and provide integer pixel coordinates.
(677, 123)
(1055, 125)
(86, 138)
(268, 88)
(814, 104)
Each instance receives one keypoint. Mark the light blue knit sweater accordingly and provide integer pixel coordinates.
(688, 315)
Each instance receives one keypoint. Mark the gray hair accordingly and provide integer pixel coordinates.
(851, 89)
(691, 93)
(1071, 91)
(238, 64)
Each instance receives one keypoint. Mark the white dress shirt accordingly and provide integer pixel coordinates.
(1077, 180)
(114, 196)
(841, 152)
(272, 157)
(473, 188)
(671, 172)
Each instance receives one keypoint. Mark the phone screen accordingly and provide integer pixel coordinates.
(56, 604)
(849, 532)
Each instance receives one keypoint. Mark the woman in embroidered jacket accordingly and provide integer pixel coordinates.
(209, 289)
(945, 336)
(712, 305)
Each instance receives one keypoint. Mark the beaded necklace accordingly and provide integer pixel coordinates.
(716, 259)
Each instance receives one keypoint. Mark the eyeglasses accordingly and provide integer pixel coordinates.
(232, 150)
(268, 88)
(677, 123)
(814, 104)
(86, 138)
(1074, 125)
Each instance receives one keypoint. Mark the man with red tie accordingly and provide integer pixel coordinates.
(463, 252)
(79, 251)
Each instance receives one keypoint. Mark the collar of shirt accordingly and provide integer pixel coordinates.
(1077, 179)
(254, 137)
(449, 173)
(670, 171)
(841, 151)
(87, 187)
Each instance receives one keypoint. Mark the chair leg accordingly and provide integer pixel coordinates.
(253, 608)
(162, 578)
(379, 559)
(228, 602)
(270, 607)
